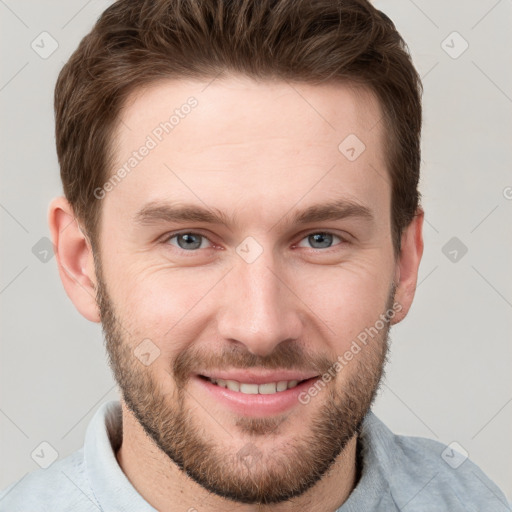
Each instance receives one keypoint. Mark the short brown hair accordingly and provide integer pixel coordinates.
(136, 42)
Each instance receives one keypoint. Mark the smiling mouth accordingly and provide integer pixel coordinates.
(267, 388)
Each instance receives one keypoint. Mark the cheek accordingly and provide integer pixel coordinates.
(347, 298)
(160, 303)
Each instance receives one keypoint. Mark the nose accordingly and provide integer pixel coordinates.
(259, 308)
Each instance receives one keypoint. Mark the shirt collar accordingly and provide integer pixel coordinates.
(372, 486)
(109, 484)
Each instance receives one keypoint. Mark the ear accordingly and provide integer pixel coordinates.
(74, 258)
(407, 265)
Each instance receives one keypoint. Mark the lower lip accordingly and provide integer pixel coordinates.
(255, 405)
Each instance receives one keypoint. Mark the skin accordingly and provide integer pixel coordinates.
(259, 153)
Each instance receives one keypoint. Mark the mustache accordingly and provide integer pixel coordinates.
(286, 356)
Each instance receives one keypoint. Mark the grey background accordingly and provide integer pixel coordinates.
(449, 376)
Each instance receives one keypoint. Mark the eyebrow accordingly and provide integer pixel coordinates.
(156, 212)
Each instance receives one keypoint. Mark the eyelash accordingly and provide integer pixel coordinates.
(166, 240)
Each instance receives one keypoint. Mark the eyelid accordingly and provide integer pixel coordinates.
(167, 237)
(343, 239)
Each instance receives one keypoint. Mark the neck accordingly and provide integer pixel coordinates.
(168, 489)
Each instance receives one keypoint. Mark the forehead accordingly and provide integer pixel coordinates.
(234, 141)
(261, 109)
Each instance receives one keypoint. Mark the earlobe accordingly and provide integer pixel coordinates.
(74, 258)
(407, 265)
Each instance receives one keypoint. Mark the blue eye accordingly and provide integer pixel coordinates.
(320, 240)
(188, 241)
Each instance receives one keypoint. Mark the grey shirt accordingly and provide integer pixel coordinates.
(407, 474)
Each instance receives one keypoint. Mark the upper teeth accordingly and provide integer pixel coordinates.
(253, 389)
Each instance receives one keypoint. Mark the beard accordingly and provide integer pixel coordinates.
(245, 472)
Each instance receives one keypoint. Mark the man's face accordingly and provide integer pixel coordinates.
(261, 295)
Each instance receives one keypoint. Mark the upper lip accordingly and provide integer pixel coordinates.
(258, 377)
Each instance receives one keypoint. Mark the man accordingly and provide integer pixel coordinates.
(241, 213)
